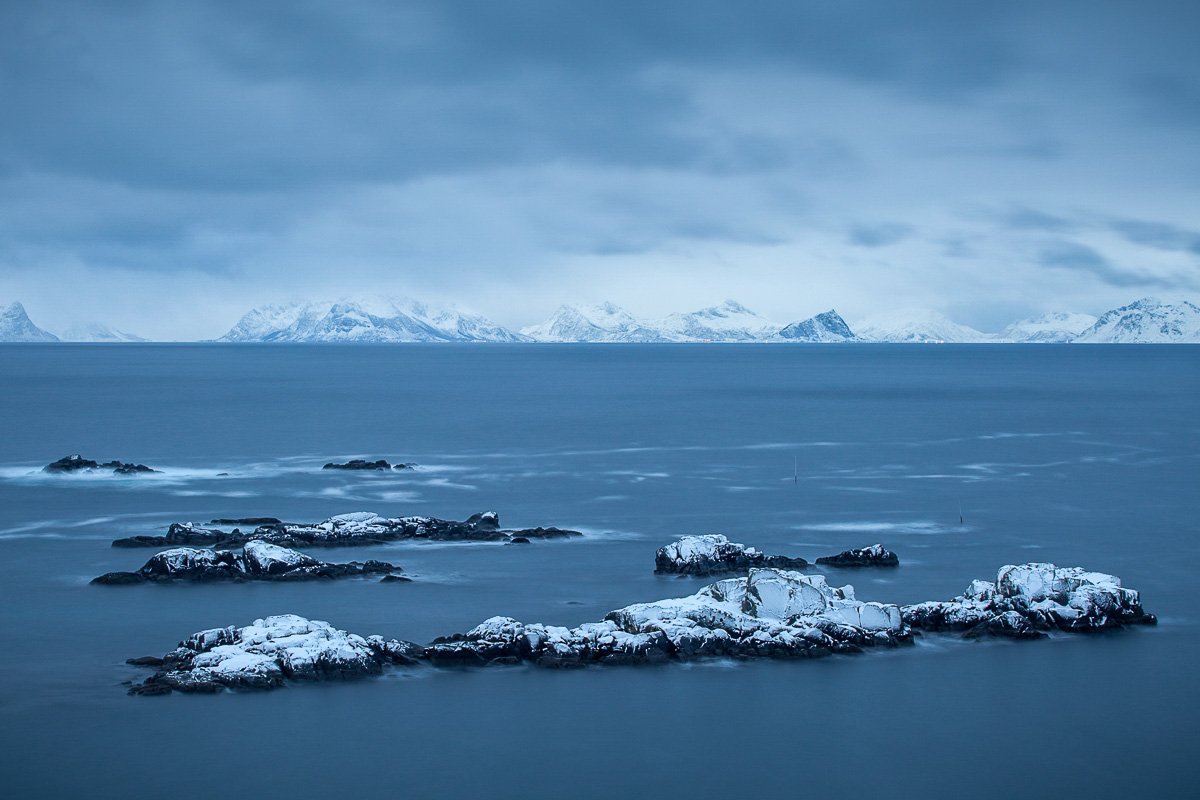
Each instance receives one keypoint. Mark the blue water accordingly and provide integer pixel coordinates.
(1077, 455)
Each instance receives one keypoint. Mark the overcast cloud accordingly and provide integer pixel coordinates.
(165, 166)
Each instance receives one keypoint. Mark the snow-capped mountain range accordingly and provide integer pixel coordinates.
(404, 320)
(365, 320)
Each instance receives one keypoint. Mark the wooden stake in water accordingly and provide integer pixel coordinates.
(796, 471)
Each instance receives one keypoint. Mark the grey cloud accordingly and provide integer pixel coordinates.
(1079, 257)
(879, 235)
(1024, 218)
(1159, 235)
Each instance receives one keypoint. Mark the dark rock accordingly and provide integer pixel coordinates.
(1008, 624)
(145, 661)
(118, 578)
(395, 579)
(358, 464)
(405, 466)
(519, 540)
(360, 528)
(873, 556)
(77, 463)
(247, 521)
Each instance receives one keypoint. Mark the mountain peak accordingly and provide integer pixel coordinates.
(15, 326)
(828, 326)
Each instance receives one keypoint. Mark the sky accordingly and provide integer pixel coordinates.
(164, 167)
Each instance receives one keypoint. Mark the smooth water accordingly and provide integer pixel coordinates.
(1072, 454)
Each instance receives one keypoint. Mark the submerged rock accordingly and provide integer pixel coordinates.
(1044, 596)
(77, 463)
(257, 561)
(364, 527)
(769, 613)
(714, 554)
(873, 556)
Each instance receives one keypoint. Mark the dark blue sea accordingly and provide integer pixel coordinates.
(1078, 455)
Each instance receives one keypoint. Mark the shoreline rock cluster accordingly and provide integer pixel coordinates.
(714, 554)
(360, 528)
(259, 561)
(769, 613)
(363, 464)
(71, 464)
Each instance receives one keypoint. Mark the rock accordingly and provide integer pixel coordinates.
(264, 653)
(77, 463)
(405, 466)
(258, 560)
(145, 661)
(873, 556)
(358, 464)
(360, 528)
(395, 579)
(714, 554)
(1046, 597)
(768, 613)
(247, 521)
(518, 540)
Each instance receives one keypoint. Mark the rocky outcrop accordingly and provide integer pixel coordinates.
(873, 556)
(1029, 599)
(268, 651)
(768, 613)
(258, 561)
(363, 528)
(361, 464)
(714, 554)
(77, 463)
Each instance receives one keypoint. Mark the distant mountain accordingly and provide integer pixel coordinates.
(97, 332)
(917, 326)
(365, 320)
(603, 322)
(1053, 327)
(15, 326)
(729, 322)
(1146, 321)
(606, 322)
(826, 327)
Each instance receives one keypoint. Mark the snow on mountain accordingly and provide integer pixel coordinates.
(15, 326)
(365, 320)
(825, 327)
(97, 332)
(602, 322)
(728, 322)
(1146, 321)
(1055, 326)
(917, 326)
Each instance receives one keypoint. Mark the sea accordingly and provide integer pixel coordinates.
(960, 458)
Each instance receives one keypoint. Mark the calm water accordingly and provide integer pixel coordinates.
(1077, 455)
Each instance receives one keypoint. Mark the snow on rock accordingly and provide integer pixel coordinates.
(358, 528)
(97, 332)
(825, 327)
(602, 322)
(258, 560)
(712, 554)
(1045, 596)
(15, 326)
(767, 613)
(873, 556)
(729, 322)
(1146, 321)
(268, 651)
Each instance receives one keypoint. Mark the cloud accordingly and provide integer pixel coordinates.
(1159, 235)
(1082, 258)
(879, 235)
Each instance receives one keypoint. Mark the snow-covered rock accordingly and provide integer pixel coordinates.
(258, 560)
(825, 327)
(15, 326)
(714, 554)
(261, 655)
(919, 326)
(1045, 596)
(363, 527)
(365, 320)
(873, 556)
(767, 613)
(97, 332)
(1146, 321)
(1048, 328)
